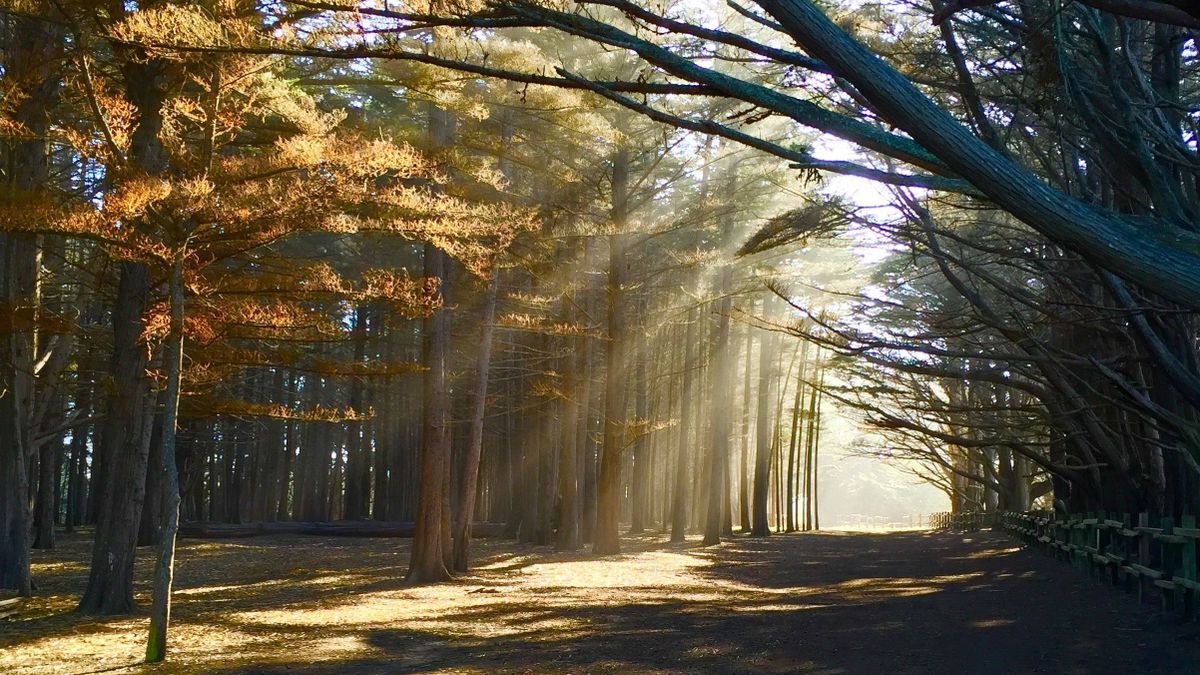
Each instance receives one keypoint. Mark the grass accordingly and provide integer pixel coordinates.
(267, 599)
(909, 602)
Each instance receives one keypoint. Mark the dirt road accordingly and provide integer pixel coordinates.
(830, 603)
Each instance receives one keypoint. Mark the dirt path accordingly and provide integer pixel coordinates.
(833, 603)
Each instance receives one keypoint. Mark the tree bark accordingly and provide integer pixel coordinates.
(640, 470)
(567, 537)
(762, 450)
(469, 483)
(164, 571)
(1165, 264)
(356, 501)
(679, 514)
(719, 414)
(606, 537)
(428, 560)
(128, 419)
(47, 497)
(33, 51)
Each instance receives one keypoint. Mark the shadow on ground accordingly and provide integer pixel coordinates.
(833, 603)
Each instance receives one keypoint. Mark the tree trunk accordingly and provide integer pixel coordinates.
(428, 560)
(606, 537)
(164, 571)
(33, 49)
(719, 414)
(355, 505)
(809, 459)
(640, 473)
(679, 515)
(567, 537)
(47, 497)
(816, 502)
(468, 485)
(743, 461)
(148, 529)
(762, 451)
(77, 463)
(127, 423)
(794, 440)
(127, 440)
(1104, 237)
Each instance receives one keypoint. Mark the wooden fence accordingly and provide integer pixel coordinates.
(1157, 561)
(9, 605)
(966, 521)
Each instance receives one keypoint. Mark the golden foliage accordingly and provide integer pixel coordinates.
(182, 25)
(253, 160)
(205, 406)
(537, 324)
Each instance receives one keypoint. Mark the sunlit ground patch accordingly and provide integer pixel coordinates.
(991, 623)
(653, 569)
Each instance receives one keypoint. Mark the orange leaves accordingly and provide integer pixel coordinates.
(309, 280)
(175, 24)
(541, 325)
(14, 130)
(132, 196)
(473, 233)
(261, 186)
(246, 318)
(119, 117)
(204, 406)
(412, 298)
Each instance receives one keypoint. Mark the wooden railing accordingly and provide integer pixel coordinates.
(9, 606)
(966, 521)
(1155, 560)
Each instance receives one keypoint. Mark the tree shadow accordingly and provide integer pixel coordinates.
(836, 603)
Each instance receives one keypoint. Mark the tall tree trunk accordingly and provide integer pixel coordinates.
(46, 508)
(640, 473)
(743, 461)
(816, 432)
(127, 437)
(762, 451)
(606, 537)
(381, 426)
(288, 480)
(809, 463)
(719, 414)
(127, 423)
(567, 537)
(33, 49)
(586, 441)
(591, 456)
(547, 459)
(428, 560)
(469, 483)
(164, 571)
(583, 418)
(679, 515)
(148, 529)
(76, 501)
(794, 439)
(358, 466)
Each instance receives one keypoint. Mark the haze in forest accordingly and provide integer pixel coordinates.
(599, 335)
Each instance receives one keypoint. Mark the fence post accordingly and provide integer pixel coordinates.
(1143, 552)
(1191, 568)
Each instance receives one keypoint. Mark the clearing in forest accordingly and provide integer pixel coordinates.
(838, 603)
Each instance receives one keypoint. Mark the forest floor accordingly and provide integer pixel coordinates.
(912, 602)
